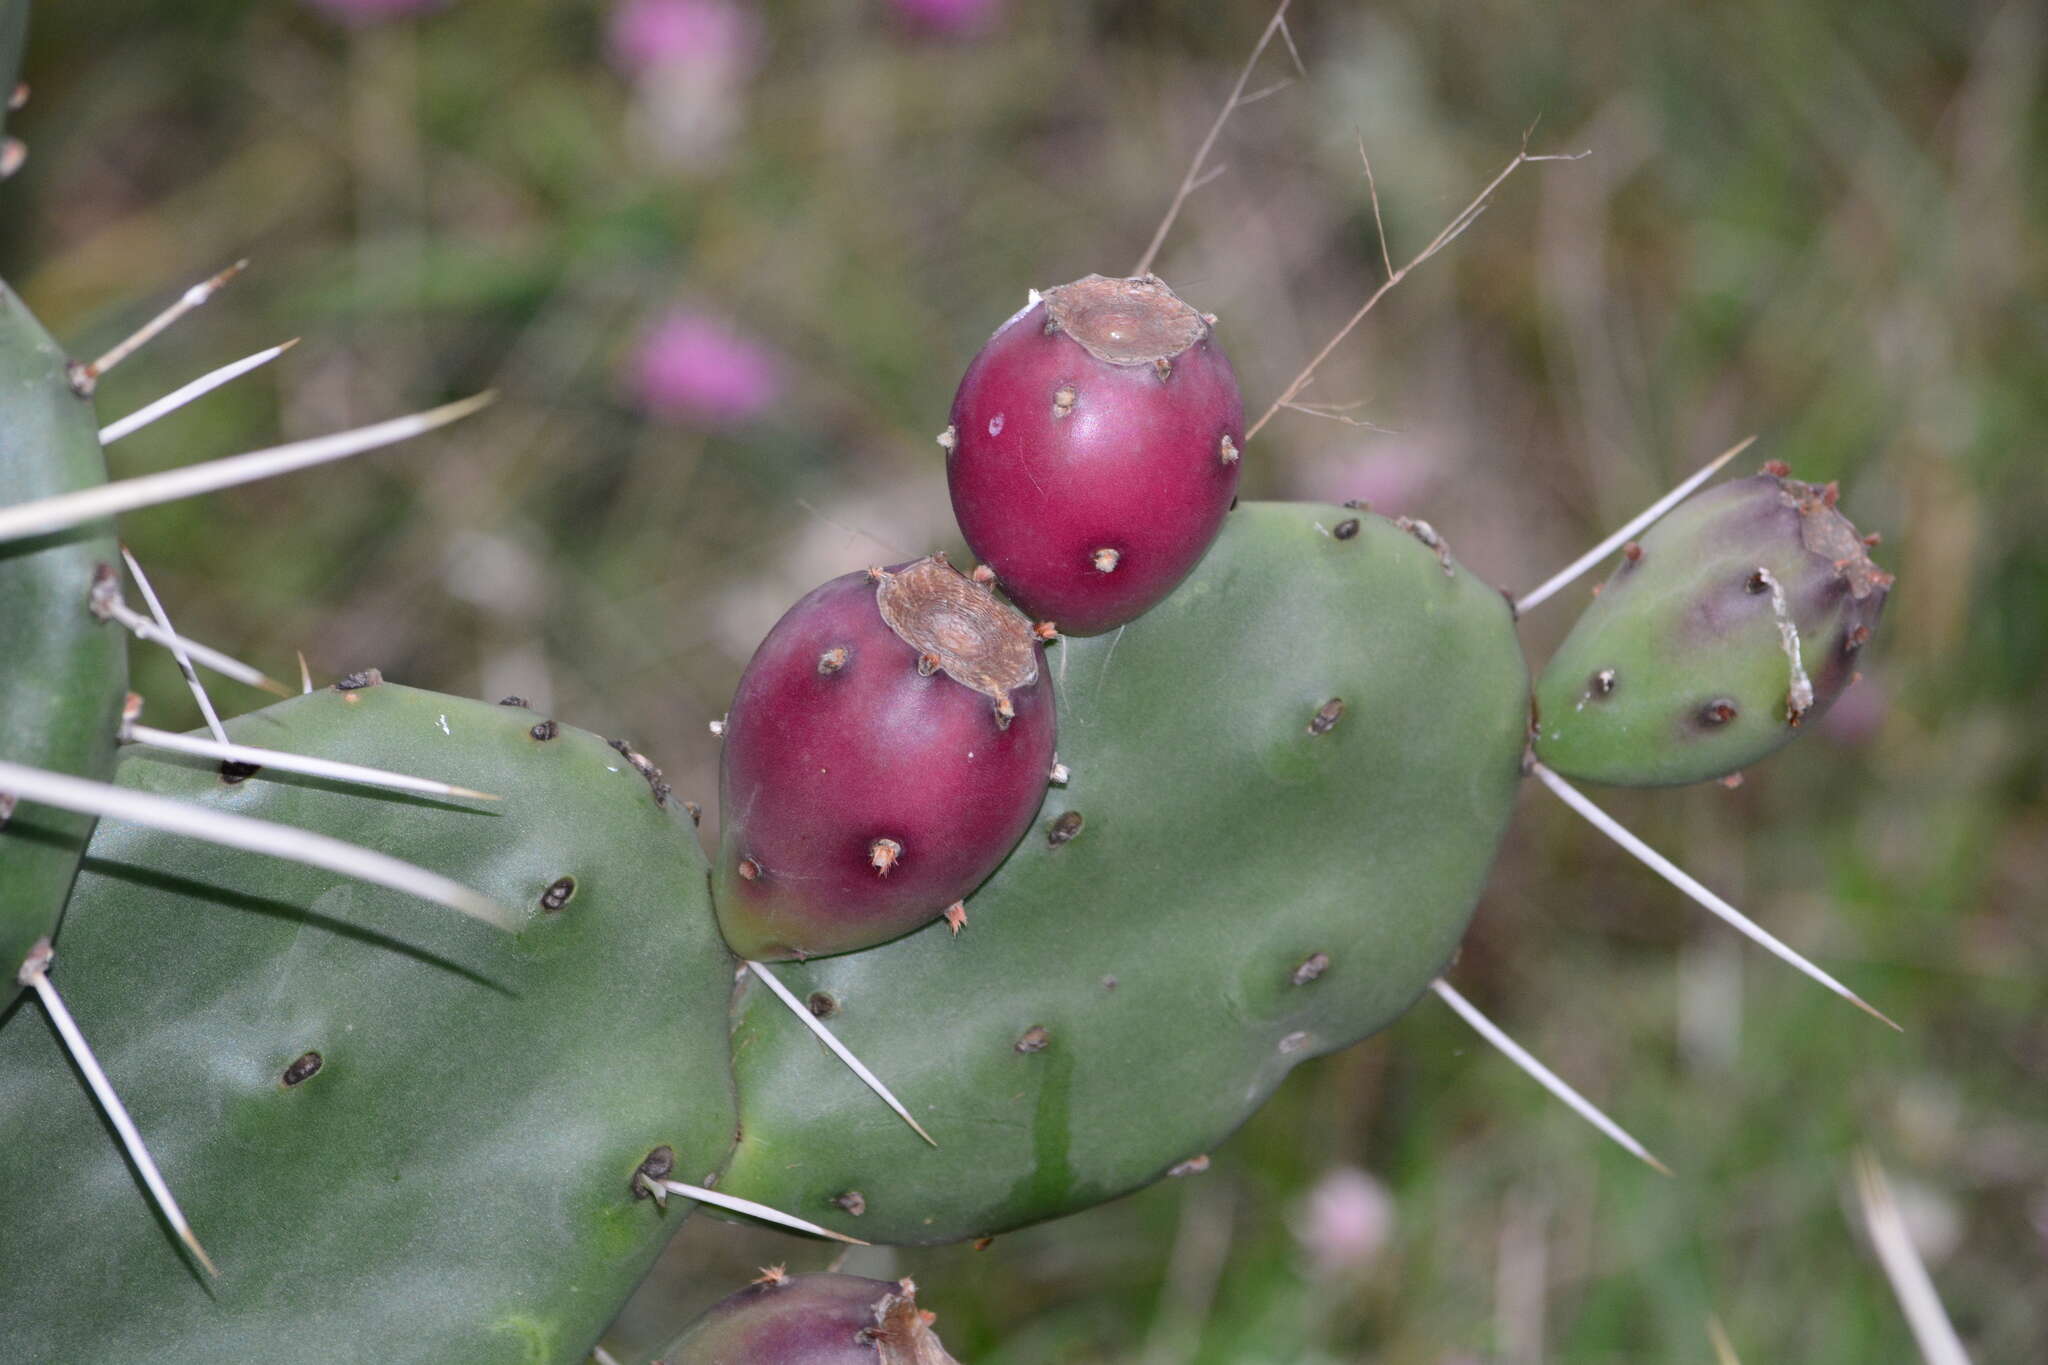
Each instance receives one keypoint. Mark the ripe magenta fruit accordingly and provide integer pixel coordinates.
(1094, 450)
(824, 1319)
(888, 746)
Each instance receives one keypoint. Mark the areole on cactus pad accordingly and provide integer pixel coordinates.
(1286, 783)
(65, 673)
(1094, 450)
(886, 748)
(1738, 618)
(404, 1135)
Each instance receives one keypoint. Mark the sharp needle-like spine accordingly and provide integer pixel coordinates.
(1629, 530)
(190, 393)
(746, 1206)
(1543, 1075)
(839, 1049)
(177, 648)
(87, 376)
(251, 836)
(34, 975)
(105, 500)
(1911, 1284)
(148, 631)
(294, 763)
(1677, 876)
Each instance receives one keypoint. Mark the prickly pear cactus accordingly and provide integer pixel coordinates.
(812, 1320)
(1739, 617)
(1286, 784)
(402, 1134)
(62, 673)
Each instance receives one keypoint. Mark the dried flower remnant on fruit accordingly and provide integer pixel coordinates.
(1125, 322)
(950, 620)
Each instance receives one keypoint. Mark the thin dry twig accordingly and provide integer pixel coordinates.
(1379, 224)
(1335, 412)
(1188, 184)
(1464, 219)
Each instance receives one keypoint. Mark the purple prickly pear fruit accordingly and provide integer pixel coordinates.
(1094, 450)
(888, 746)
(821, 1319)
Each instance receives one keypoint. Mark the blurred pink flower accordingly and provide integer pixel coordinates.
(373, 11)
(949, 16)
(1345, 1221)
(649, 34)
(690, 62)
(690, 367)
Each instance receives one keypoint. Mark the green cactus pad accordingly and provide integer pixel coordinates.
(452, 1180)
(1738, 618)
(1287, 783)
(63, 674)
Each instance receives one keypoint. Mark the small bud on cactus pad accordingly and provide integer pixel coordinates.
(1739, 620)
(1095, 450)
(812, 1320)
(888, 746)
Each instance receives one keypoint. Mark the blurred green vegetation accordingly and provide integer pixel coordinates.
(1820, 222)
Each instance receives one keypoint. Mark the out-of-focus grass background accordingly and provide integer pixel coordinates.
(1821, 222)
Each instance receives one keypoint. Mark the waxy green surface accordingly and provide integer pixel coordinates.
(1121, 1001)
(63, 673)
(453, 1183)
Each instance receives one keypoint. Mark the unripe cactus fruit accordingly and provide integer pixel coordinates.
(1739, 617)
(812, 1320)
(1093, 450)
(887, 747)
